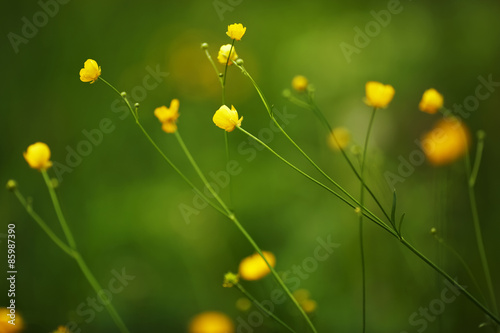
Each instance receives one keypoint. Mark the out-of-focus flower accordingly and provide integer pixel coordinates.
(339, 138)
(243, 304)
(10, 322)
(300, 83)
(226, 118)
(168, 116)
(303, 297)
(254, 267)
(446, 142)
(211, 322)
(90, 71)
(230, 279)
(38, 156)
(62, 329)
(236, 31)
(378, 95)
(431, 101)
(224, 53)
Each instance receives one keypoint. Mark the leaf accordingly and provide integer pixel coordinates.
(400, 223)
(393, 211)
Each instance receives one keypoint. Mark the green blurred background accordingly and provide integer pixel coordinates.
(122, 201)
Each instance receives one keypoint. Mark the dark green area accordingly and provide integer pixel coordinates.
(122, 201)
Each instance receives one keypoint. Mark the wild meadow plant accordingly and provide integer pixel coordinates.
(446, 143)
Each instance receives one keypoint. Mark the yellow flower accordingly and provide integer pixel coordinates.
(211, 322)
(243, 304)
(62, 329)
(446, 142)
(168, 116)
(339, 138)
(378, 95)
(227, 119)
(38, 156)
(303, 298)
(300, 83)
(236, 31)
(90, 71)
(230, 279)
(224, 53)
(254, 267)
(5, 317)
(431, 101)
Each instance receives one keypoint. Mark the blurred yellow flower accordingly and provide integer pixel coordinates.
(90, 71)
(446, 142)
(224, 53)
(378, 95)
(300, 83)
(254, 267)
(339, 138)
(38, 156)
(431, 101)
(303, 298)
(230, 279)
(211, 322)
(5, 317)
(62, 329)
(236, 31)
(227, 119)
(168, 116)
(243, 304)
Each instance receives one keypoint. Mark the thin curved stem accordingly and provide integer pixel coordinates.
(262, 307)
(57, 208)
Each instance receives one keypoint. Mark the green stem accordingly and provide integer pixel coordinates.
(362, 201)
(372, 217)
(233, 218)
(471, 177)
(263, 308)
(162, 154)
(451, 280)
(225, 74)
(57, 208)
(269, 111)
(43, 225)
(97, 288)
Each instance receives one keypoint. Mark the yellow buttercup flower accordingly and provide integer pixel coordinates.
(224, 53)
(168, 116)
(227, 119)
(236, 31)
(431, 101)
(339, 138)
(90, 71)
(5, 317)
(62, 329)
(378, 95)
(38, 156)
(254, 267)
(300, 83)
(303, 297)
(446, 142)
(211, 322)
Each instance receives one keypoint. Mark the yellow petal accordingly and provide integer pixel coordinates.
(254, 267)
(236, 31)
(431, 101)
(38, 156)
(226, 118)
(224, 52)
(378, 95)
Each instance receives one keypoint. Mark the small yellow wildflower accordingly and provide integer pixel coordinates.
(168, 116)
(254, 267)
(339, 138)
(62, 329)
(227, 119)
(6, 318)
(300, 83)
(230, 279)
(211, 322)
(243, 304)
(236, 31)
(38, 156)
(303, 297)
(446, 142)
(90, 71)
(224, 53)
(378, 95)
(431, 101)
